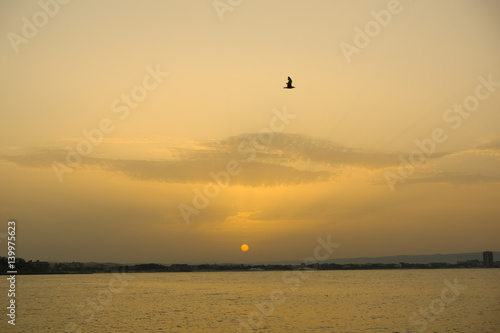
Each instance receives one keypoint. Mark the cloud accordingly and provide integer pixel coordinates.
(444, 177)
(287, 159)
(492, 146)
(190, 166)
(38, 158)
(198, 171)
(295, 147)
(452, 178)
(113, 140)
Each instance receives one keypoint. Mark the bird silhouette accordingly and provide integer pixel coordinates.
(289, 84)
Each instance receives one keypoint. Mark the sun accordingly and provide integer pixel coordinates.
(244, 248)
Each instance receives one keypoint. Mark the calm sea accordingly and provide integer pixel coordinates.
(454, 300)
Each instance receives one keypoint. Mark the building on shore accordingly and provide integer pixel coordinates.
(488, 258)
(43, 266)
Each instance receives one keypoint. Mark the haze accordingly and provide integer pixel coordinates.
(329, 155)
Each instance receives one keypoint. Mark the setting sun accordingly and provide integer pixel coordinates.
(244, 248)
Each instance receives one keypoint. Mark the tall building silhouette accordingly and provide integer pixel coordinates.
(488, 258)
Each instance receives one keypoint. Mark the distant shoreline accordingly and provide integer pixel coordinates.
(438, 261)
(244, 270)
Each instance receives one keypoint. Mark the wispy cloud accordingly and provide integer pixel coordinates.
(445, 177)
(493, 146)
(295, 147)
(289, 159)
(113, 140)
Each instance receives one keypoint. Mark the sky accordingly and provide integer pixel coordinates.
(159, 131)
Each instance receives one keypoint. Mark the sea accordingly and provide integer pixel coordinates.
(413, 300)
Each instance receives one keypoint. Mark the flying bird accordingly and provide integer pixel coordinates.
(289, 84)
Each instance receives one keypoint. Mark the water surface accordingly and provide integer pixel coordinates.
(299, 301)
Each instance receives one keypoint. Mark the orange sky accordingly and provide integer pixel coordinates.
(115, 116)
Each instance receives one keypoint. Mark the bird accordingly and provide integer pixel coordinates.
(289, 84)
